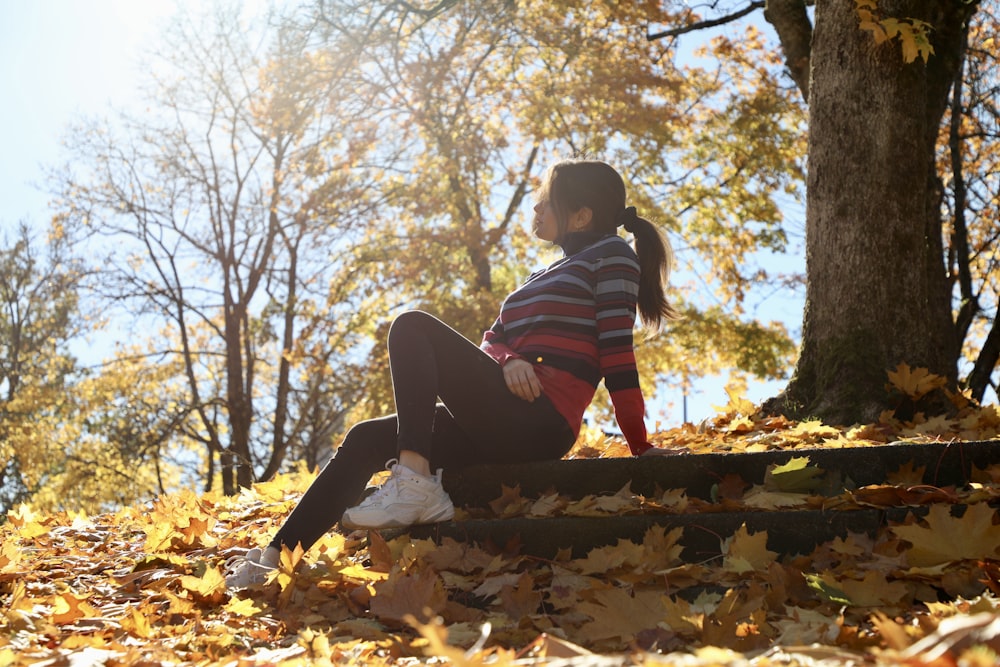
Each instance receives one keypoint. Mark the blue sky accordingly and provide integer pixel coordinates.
(67, 59)
(61, 59)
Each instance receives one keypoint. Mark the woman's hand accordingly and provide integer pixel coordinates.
(521, 379)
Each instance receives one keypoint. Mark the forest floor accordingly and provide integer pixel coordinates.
(145, 585)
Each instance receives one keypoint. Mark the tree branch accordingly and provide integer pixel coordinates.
(979, 378)
(709, 23)
(794, 29)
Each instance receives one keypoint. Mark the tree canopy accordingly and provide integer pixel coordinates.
(299, 177)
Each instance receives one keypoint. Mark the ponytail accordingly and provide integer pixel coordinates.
(656, 260)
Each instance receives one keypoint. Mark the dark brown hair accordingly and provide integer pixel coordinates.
(574, 184)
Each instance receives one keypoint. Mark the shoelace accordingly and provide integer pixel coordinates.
(388, 487)
(233, 563)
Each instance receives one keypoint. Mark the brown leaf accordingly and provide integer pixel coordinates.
(458, 557)
(521, 600)
(380, 553)
(618, 615)
(417, 593)
(611, 557)
(510, 502)
(732, 486)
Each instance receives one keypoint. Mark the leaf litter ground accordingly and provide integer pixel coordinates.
(145, 585)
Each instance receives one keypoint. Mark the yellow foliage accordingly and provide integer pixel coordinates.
(916, 382)
(913, 34)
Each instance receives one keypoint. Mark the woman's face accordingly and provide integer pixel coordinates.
(544, 226)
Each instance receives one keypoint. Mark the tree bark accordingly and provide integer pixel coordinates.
(791, 22)
(877, 292)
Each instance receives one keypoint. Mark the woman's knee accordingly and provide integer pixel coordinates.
(407, 323)
(373, 439)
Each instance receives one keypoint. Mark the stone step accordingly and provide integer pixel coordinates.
(945, 464)
(789, 532)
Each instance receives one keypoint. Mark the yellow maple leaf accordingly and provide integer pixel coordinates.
(242, 607)
(360, 573)
(811, 431)
(196, 529)
(210, 586)
(28, 523)
(137, 624)
(947, 538)
(743, 552)
(915, 383)
(274, 490)
(10, 556)
(662, 548)
(67, 608)
(680, 617)
(159, 536)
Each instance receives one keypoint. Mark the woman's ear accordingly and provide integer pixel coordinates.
(580, 220)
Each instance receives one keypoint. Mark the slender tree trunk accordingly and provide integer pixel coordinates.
(280, 443)
(237, 403)
(877, 292)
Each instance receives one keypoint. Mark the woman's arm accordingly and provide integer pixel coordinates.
(616, 293)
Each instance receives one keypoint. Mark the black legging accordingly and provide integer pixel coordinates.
(478, 420)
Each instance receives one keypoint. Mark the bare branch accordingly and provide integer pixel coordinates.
(708, 23)
(989, 355)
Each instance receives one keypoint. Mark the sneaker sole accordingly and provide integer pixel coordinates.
(441, 514)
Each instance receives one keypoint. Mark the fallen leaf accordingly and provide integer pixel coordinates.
(419, 594)
(745, 552)
(915, 382)
(521, 600)
(619, 615)
(209, 588)
(948, 538)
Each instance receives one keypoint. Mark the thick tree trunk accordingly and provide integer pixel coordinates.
(877, 293)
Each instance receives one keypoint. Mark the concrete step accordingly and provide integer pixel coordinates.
(792, 531)
(945, 464)
(788, 532)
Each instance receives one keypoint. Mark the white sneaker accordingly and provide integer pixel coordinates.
(247, 570)
(406, 499)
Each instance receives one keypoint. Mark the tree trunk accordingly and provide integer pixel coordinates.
(877, 293)
(237, 403)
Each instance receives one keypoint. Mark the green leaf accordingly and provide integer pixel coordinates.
(796, 476)
(826, 591)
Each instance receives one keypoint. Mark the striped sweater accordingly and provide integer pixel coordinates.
(573, 320)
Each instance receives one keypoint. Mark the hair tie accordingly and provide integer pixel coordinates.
(627, 219)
